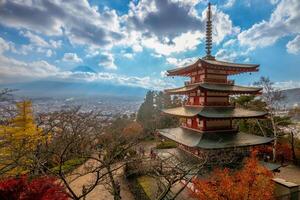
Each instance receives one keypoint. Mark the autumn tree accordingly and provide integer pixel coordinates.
(82, 146)
(26, 188)
(252, 182)
(19, 142)
(115, 151)
(273, 99)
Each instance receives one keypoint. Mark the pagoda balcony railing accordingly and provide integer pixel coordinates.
(218, 128)
(208, 104)
(230, 82)
(214, 80)
(210, 80)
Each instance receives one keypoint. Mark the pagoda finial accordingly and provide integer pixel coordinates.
(208, 44)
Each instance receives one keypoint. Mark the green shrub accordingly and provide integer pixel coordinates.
(148, 185)
(166, 145)
(137, 189)
(69, 165)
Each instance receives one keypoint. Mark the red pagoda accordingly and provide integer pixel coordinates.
(207, 116)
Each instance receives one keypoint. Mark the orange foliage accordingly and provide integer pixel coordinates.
(252, 182)
(284, 150)
(133, 129)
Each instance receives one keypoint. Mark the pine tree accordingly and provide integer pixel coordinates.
(19, 140)
(146, 113)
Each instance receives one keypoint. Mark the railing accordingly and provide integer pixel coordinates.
(208, 104)
(217, 128)
(210, 80)
(214, 80)
(187, 83)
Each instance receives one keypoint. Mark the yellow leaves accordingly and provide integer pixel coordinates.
(20, 139)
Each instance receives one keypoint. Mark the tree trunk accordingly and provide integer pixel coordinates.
(293, 148)
(116, 192)
(275, 138)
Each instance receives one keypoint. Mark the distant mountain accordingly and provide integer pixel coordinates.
(73, 89)
(292, 97)
(83, 68)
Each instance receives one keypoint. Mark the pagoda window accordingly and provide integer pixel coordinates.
(191, 100)
(193, 94)
(212, 124)
(189, 122)
(198, 92)
(201, 100)
(200, 123)
(196, 102)
(193, 79)
(194, 123)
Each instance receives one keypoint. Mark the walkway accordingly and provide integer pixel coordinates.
(290, 173)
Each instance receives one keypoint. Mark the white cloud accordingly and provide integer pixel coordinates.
(12, 69)
(184, 42)
(229, 42)
(55, 43)
(49, 53)
(4, 45)
(285, 20)
(274, 1)
(156, 55)
(19, 71)
(222, 25)
(107, 61)
(148, 24)
(113, 78)
(287, 84)
(35, 39)
(128, 55)
(293, 46)
(71, 57)
(78, 20)
(227, 55)
(163, 74)
(229, 4)
(153, 27)
(181, 62)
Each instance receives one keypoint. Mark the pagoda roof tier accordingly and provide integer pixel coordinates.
(213, 140)
(228, 67)
(214, 112)
(233, 89)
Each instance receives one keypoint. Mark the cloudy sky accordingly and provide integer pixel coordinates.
(131, 42)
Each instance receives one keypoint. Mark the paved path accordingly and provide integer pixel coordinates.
(100, 192)
(289, 173)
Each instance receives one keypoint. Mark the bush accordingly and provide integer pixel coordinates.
(137, 190)
(166, 145)
(69, 165)
(148, 185)
(22, 188)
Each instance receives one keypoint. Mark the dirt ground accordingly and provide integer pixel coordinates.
(100, 192)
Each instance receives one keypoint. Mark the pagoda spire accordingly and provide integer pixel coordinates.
(208, 44)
